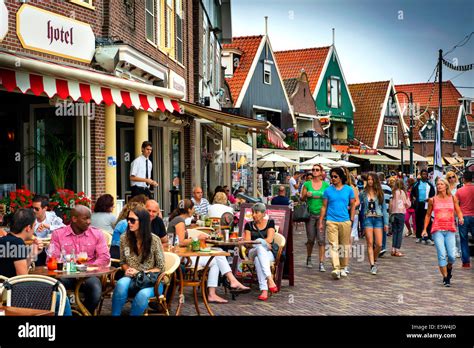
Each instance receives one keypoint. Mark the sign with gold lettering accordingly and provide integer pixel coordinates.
(48, 32)
(3, 20)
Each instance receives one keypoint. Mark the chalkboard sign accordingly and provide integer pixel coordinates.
(282, 217)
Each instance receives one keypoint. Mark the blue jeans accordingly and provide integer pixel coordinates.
(384, 240)
(67, 306)
(445, 243)
(140, 302)
(398, 225)
(464, 234)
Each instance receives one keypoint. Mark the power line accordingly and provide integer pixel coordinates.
(464, 86)
(460, 44)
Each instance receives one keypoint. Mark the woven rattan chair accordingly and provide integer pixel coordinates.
(2, 280)
(35, 291)
(249, 266)
(168, 278)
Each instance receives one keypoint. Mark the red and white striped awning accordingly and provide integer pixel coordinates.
(51, 86)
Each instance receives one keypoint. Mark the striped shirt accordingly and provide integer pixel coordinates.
(201, 208)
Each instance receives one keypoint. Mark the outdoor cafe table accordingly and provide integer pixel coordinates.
(24, 312)
(95, 271)
(236, 245)
(196, 277)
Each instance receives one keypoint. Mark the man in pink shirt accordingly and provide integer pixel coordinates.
(465, 195)
(78, 237)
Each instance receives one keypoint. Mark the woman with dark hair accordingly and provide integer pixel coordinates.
(102, 217)
(375, 217)
(140, 250)
(336, 200)
(218, 265)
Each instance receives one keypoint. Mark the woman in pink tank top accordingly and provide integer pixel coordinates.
(444, 205)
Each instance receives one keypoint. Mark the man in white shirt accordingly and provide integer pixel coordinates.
(140, 172)
(46, 221)
(201, 205)
(294, 186)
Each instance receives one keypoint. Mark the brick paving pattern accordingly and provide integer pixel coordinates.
(410, 285)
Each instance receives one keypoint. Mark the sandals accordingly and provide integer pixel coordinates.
(398, 254)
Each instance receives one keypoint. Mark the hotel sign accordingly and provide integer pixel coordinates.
(48, 32)
(3, 20)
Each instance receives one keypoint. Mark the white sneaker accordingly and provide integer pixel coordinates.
(430, 242)
(321, 267)
(336, 274)
(458, 254)
(343, 273)
(373, 269)
(346, 269)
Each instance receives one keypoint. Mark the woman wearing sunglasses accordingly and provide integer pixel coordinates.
(453, 187)
(375, 217)
(336, 199)
(313, 193)
(140, 250)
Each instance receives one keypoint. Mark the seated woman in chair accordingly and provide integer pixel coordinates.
(262, 254)
(140, 250)
(218, 265)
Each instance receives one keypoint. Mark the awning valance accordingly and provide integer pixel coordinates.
(396, 153)
(81, 91)
(377, 159)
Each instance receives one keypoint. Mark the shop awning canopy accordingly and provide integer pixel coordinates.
(397, 153)
(50, 79)
(377, 159)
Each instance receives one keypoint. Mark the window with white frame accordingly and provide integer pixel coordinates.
(84, 3)
(334, 92)
(391, 136)
(179, 30)
(211, 60)
(169, 23)
(267, 73)
(429, 133)
(204, 51)
(217, 65)
(150, 20)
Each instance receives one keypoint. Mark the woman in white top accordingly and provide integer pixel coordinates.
(102, 217)
(219, 206)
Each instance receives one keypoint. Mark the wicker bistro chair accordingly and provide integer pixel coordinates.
(249, 266)
(2, 281)
(168, 278)
(35, 291)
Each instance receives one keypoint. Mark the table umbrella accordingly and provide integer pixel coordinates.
(342, 163)
(318, 160)
(273, 160)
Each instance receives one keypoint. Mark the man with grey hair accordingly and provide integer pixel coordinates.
(201, 205)
(78, 237)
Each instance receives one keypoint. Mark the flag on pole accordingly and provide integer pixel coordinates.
(438, 162)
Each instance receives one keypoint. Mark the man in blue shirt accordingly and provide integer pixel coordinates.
(281, 199)
(336, 200)
(421, 192)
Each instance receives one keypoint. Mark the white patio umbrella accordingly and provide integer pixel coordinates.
(342, 163)
(273, 160)
(318, 160)
(310, 166)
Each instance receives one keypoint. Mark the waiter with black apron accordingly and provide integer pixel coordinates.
(140, 172)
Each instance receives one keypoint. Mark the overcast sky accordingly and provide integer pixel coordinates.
(375, 39)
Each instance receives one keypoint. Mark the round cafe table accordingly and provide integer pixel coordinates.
(81, 277)
(195, 277)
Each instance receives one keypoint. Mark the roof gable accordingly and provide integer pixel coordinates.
(249, 45)
(369, 99)
(423, 91)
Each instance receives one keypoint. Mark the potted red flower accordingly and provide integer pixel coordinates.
(63, 200)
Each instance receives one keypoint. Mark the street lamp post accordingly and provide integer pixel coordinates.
(402, 147)
(410, 131)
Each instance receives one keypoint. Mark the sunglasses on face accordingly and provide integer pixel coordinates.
(334, 177)
(132, 220)
(450, 177)
(316, 170)
(36, 209)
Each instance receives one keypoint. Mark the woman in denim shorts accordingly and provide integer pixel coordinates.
(313, 192)
(375, 217)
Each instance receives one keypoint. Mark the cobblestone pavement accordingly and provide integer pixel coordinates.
(410, 285)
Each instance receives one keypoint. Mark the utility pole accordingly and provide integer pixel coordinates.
(440, 102)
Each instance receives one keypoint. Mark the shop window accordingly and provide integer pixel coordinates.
(334, 92)
(391, 136)
(267, 73)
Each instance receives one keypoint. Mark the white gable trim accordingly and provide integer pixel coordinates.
(250, 73)
(458, 121)
(381, 116)
(406, 128)
(290, 107)
(323, 73)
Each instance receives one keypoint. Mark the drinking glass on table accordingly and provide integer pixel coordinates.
(170, 241)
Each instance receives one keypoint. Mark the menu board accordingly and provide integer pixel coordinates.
(281, 214)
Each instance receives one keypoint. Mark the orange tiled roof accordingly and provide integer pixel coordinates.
(311, 60)
(249, 46)
(368, 99)
(422, 91)
(450, 117)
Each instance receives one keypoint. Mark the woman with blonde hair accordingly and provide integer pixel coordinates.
(445, 206)
(453, 181)
(219, 206)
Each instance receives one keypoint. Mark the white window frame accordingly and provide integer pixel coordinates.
(390, 131)
(267, 72)
(179, 13)
(431, 131)
(463, 140)
(334, 96)
(205, 50)
(152, 22)
(212, 61)
(84, 3)
(169, 13)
